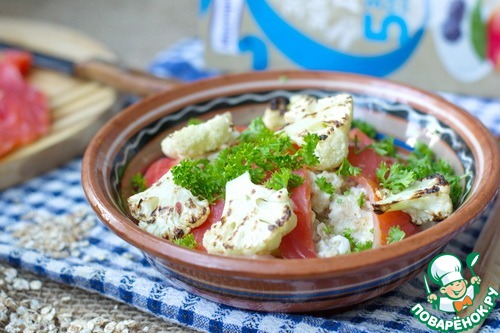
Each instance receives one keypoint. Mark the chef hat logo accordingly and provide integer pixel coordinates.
(445, 269)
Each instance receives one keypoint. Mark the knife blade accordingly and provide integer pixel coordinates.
(44, 60)
(427, 289)
(129, 80)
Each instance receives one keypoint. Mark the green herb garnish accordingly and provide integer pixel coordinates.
(324, 185)
(306, 153)
(361, 200)
(363, 246)
(284, 178)
(196, 175)
(365, 128)
(256, 131)
(259, 151)
(138, 183)
(186, 241)
(194, 121)
(395, 178)
(384, 147)
(422, 161)
(395, 234)
(346, 169)
(356, 246)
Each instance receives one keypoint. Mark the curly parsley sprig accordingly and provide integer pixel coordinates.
(395, 234)
(324, 185)
(269, 157)
(395, 178)
(420, 163)
(356, 246)
(423, 160)
(187, 241)
(138, 183)
(347, 169)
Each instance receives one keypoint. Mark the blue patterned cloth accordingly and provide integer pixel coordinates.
(113, 268)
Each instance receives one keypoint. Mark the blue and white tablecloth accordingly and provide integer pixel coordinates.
(111, 267)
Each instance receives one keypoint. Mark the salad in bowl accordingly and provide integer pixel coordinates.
(303, 180)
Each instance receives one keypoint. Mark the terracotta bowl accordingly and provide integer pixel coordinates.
(130, 142)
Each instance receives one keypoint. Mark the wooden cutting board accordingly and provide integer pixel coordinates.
(78, 108)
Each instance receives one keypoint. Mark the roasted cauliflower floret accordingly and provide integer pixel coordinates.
(168, 210)
(197, 140)
(330, 118)
(273, 117)
(253, 221)
(426, 200)
(299, 107)
(332, 151)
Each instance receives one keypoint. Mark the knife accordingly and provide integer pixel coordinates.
(129, 80)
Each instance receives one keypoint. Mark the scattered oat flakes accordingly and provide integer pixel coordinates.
(59, 236)
(35, 285)
(32, 316)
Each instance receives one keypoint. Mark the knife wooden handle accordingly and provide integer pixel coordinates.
(129, 80)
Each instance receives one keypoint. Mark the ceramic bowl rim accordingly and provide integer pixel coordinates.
(484, 149)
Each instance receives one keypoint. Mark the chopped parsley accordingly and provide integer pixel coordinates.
(421, 150)
(422, 160)
(395, 178)
(395, 234)
(384, 147)
(193, 175)
(283, 179)
(256, 131)
(346, 169)
(138, 183)
(356, 246)
(306, 153)
(324, 185)
(186, 241)
(194, 121)
(259, 151)
(361, 199)
(362, 246)
(419, 164)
